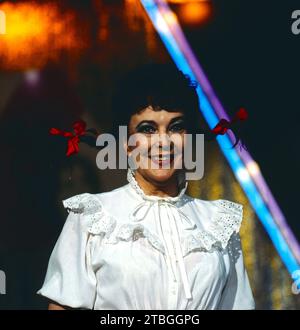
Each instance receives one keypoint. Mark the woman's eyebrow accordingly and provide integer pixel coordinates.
(176, 118)
(146, 122)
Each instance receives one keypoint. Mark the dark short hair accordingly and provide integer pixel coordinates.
(161, 86)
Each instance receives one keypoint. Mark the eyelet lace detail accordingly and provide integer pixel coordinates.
(132, 232)
(98, 221)
(227, 221)
(83, 203)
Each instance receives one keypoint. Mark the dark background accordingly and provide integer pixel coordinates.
(252, 58)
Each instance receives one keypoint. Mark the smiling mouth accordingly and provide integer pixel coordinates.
(158, 158)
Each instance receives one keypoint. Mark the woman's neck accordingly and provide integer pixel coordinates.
(165, 189)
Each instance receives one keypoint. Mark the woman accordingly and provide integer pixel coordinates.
(147, 244)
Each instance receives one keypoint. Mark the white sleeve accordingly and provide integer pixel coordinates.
(70, 279)
(237, 293)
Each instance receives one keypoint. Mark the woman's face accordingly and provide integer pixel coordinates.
(160, 139)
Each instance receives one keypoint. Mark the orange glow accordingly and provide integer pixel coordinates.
(195, 12)
(35, 34)
(2, 22)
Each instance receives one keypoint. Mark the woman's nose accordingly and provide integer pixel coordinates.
(163, 142)
(164, 139)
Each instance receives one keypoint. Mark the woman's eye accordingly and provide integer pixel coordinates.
(177, 127)
(146, 129)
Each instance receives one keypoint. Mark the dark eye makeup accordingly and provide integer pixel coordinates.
(176, 125)
(145, 127)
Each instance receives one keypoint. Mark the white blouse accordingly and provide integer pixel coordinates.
(124, 250)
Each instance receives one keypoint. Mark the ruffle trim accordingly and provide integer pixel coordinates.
(98, 221)
(132, 232)
(226, 221)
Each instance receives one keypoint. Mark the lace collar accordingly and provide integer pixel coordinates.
(133, 183)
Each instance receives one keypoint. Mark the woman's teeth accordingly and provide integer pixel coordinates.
(158, 158)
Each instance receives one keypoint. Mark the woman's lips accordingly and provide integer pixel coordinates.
(162, 160)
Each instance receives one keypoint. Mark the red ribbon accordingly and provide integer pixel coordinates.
(73, 138)
(224, 125)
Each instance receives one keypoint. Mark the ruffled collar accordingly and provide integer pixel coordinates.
(136, 187)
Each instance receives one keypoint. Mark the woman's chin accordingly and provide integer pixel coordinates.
(160, 175)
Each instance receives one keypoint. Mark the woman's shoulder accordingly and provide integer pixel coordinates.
(97, 211)
(217, 206)
(220, 219)
(89, 202)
